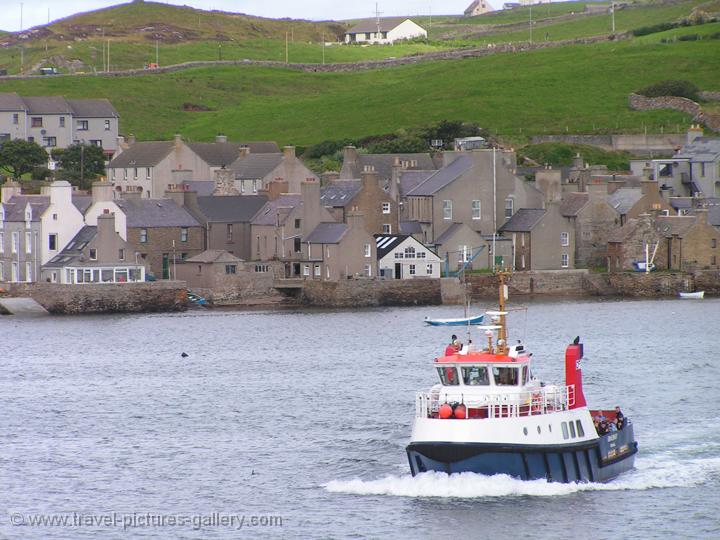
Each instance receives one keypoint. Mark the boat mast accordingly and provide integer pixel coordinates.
(502, 347)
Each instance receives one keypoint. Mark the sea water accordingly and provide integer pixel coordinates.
(294, 424)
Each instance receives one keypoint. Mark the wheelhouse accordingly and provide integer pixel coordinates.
(484, 370)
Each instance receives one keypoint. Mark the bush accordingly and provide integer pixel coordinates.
(684, 89)
(562, 155)
(689, 37)
(654, 29)
(40, 173)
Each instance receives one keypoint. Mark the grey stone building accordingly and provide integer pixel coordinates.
(254, 172)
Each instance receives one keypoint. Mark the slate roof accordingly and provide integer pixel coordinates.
(448, 233)
(47, 105)
(524, 220)
(93, 108)
(712, 204)
(371, 25)
(15, 207)
(573, 203)
(443, 177)
(11, 102)
(681, 202)
(216, 154)
(142, 154)
(340, 193)
(155, 213)
(74, 250)
(624, 232)
(701, 149)
(260, 147)
(670, 226)
(214, 256)
(82, 202)
(383, 163)
(232, 209)
(283, 205)
(385, 243)
(255, 166)
(410, 227)
(410, 179)
(203, 188)
(624, 199)
(327, 233)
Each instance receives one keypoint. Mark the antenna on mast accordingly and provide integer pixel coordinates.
(377, 20)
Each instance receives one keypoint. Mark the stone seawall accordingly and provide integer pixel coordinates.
(159, 296)
(548, 282)
(372, 292)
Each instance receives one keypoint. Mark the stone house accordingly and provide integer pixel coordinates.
(694, 169)
(254, 172)
(380, 211)
(459, 246)
(403, 257)
(160, 232)
(630, 202)
(691, 243)
(56, 122)
(477, 7)
(543, 239)
(462, 192)
(334, 251)
(386, 30)
(95, 255)
(637, 239)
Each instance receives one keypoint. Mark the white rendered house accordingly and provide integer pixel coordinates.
(401, 256)
(384, 31)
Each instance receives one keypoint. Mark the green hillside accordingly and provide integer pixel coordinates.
(578, 89)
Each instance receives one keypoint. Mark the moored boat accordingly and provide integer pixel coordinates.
(462, 321)
(489, 414)
(697, 295)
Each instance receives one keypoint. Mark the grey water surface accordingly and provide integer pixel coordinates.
(295, 422)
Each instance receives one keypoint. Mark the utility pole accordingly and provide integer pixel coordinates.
(530, 24)
(108, 54)
(82, 163)
(323, 48)
(377, 21)
(286, 48)
(612, 12)
(157, 53)
(22, 51)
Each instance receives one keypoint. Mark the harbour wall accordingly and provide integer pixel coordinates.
(370, 293)
(158, 296)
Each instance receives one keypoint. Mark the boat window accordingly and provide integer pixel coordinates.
(580, 430)
(572, 429)
(448, 376)
(525, 375)
(505, 376)
(475, 376)
(564, 429)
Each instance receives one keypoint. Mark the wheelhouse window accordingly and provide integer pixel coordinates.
(506, 376)
(448, 376)
(475, 376)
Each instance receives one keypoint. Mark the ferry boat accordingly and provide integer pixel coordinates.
(490, 415)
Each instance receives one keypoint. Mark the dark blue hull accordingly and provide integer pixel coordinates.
(599, 460)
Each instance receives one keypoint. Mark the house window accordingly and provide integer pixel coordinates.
(306, 270)
(125, 174)
(387, 228)
(28, 242)
(143, 236)
(368, 270)
(121, 254)
(52, 242)
(368, 250)
(564, 239)
(135, 175)
(62, 121)
(476, 209)
(82, 125)
(49, 142)
(15, 242)
(386, 208)
(509, 204)
(420, 255)
(564, 260)
(297, 223)
(14, 270)
(702, 169)
(297, 247)
(2, 243)
(229, 233)
(409, 252)
(36, 122)
(429, 269)
(318, 272)
(147, 173)
(713, 260)
(713, 243)
(242, 186)
(261, 268)
(16, 119)
(231, 269)
(28, 272)
(327, 272)
(107, 125)
(184, 234)
(447, 209)
(2, 272)
(93, 254)
(412, 269)
(96, 142)
(399, 254)
(255, 186)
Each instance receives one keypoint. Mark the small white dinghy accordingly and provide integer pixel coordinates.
(697, 295)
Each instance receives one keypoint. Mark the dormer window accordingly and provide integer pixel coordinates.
(93, 254)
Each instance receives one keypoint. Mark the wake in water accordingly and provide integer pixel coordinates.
(654, 473)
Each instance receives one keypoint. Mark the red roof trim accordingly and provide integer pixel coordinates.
(479, 358)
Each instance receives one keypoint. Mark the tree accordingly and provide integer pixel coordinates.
(18, 157)
(80, 163)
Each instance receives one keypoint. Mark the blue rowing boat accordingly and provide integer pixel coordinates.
(464, 321)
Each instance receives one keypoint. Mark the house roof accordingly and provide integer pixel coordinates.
(142, 154)
(387, 242)
(681, 202)
(74, 250)
(155, 213)
(235, 209)
(283, 205)
(674, 225)
(340, 192)
(624, 199)
(443, 177)
(47, 105)
(327, 233)
(448, 233)
(255, 166)
(210, 256)
(10, 101)
(203, 188)
(410, 227)
(371, 25)
(15, 207)
(383, 163)
(82, 202)
(524, 220)
(701, 149)
(216, 154)
(712, 204)
(93, 108)
(409, 180)
(573, 203)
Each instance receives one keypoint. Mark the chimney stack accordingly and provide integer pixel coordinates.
(288, 152)
(274, 189)
(548, 181)
(102, 192)
(131, 195)
(220, 139)
(370, 180)
(105, 230)
(355, 220)
(131, 139)
(328, 177)
(224, 183)
(701, 214)
(60, 193)
(648, 187)
(693, 132)
(9, 189)
(244, 151)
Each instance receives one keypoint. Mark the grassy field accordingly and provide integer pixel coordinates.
(581, 89)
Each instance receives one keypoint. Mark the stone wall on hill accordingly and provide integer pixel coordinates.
(684, 105)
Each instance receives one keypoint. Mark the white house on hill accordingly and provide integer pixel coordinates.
(384, 31)
(403, 257)
(478, 7)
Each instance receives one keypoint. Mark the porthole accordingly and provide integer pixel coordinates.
(539, 430)
(525, 431)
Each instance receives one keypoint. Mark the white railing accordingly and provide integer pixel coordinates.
(542, 400)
